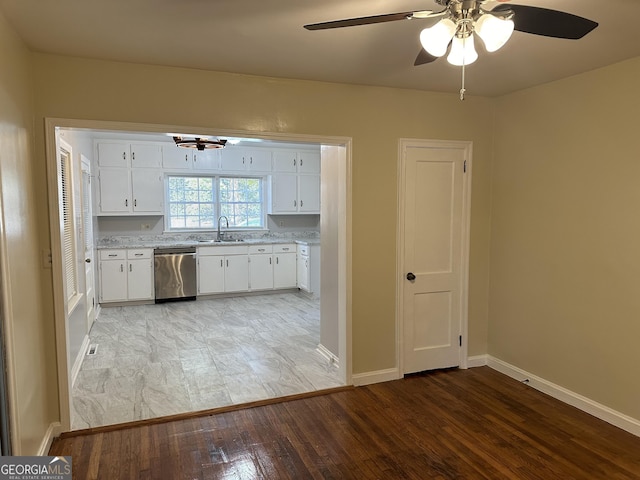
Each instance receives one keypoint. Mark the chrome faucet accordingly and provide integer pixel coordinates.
(221, 234)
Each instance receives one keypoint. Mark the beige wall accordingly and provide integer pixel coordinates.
(374, 117)
(565, 256)
(30, 336)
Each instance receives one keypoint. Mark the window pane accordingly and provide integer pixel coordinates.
(241, 200)
(191, 202)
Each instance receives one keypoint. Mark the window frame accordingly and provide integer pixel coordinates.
(217, 206)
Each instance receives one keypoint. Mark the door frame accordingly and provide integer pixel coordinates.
(400, 238)
(344, 227)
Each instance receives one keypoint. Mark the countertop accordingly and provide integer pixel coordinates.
(200, 243)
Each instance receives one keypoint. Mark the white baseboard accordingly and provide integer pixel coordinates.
(477, 361)
(585, 404)
(328, 354)
(367, 378)
(77, 364)
(54, 430)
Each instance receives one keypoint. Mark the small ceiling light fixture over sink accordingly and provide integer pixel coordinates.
(199, 143)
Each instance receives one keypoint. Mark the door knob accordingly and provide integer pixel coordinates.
(411, 277)
(88, 260)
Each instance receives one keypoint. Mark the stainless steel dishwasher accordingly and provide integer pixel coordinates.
(175, 273)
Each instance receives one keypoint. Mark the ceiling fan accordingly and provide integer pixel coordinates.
(461, 20)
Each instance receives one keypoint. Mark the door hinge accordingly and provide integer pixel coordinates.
(464, 167)
(460, 340)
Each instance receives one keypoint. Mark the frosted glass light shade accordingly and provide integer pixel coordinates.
(463, 51)
(435, 40)
(493, 31)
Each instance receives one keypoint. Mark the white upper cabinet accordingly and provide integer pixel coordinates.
(285, 161)
(114, 191)
(239, 159)
(124, 154)
(309, 162)
(296, 161)
(295, 183)
(145, 155)
(178, 159)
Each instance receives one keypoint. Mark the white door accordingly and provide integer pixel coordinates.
(147, 191)
(284, 193)
(146, 155)
(309, 189)
(140, 279)
(210, 274)
(236, 273)
(114, 190)
(87, 233)
(261, 272)
(434, 220)
(284, 270)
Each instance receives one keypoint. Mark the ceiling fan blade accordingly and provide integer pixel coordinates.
(424, 57)
(352, 22)
(548, 23)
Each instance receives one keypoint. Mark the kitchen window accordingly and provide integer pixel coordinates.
(195, 203)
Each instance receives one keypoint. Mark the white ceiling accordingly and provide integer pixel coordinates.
(262, 37)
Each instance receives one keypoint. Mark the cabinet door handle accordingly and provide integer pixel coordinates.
(186, 157)
(277, 260)
(135, 202)
(261, 249)
(301, 202)
(251, 161)
(286, 249)
(269, 260)
(130, 267)
(300, 162)
(295, 203)
(121, 267)
(124, 155)
(126, 202)
(221, 264)
(133, 155)
(138, 254)
(113, 254)
(294, 162)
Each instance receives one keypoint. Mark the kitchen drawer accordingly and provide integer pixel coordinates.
(139, 253)
(223, 250)
(303, 249)
(113, 254)
(284, 248)
(257, 249)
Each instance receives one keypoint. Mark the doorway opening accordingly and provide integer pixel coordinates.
(334, 240)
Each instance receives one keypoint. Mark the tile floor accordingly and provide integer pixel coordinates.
(156, 360)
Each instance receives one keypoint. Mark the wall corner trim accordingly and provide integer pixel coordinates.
(585, 404)
(77, 364)
(378, 376)
(54, 430)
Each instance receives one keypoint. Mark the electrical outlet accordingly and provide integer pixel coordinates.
(281, 223)
(145, 226)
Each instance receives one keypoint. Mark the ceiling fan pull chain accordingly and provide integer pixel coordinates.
(462, 90)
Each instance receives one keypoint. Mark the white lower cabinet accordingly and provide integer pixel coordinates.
(241, 268)
(126, 275)
(223, 269)
(260, 267)
(284, 268)
(308, 268)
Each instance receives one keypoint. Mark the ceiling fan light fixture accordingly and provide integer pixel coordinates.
(199, 143)
(435, 39)
(493, 31)
(463, 51)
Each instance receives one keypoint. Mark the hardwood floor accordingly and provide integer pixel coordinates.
(456, 424)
